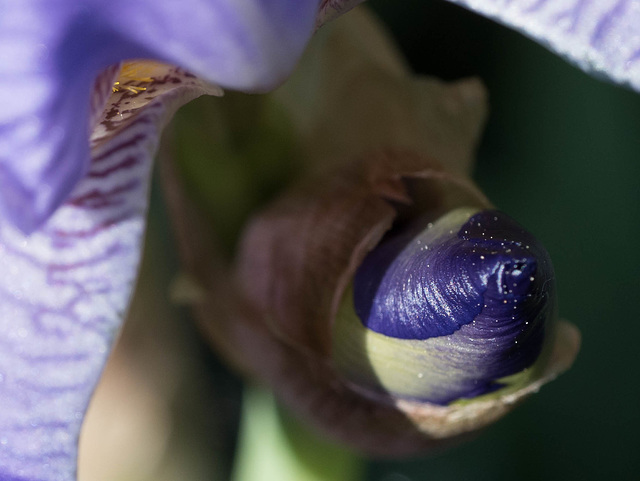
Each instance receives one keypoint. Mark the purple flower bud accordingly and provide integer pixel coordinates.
(469, 296)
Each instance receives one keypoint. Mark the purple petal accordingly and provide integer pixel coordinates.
(52, 50)
(239, 44)
(600, 36)
(65, 288)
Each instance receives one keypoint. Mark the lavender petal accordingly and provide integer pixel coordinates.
(65, 289)
(51, 52)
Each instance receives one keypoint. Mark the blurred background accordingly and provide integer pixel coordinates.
(560, 154)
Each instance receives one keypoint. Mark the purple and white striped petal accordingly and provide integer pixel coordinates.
(64, 289)
(602, 37)
(330, 9)
(52, 50)
(44, 131)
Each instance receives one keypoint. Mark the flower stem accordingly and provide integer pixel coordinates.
(275, 446)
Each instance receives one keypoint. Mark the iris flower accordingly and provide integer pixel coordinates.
(78, 130)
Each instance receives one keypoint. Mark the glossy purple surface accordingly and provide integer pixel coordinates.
(488, 285)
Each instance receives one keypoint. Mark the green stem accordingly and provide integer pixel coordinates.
(274, 446)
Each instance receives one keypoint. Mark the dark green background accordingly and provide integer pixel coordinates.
(560, 154)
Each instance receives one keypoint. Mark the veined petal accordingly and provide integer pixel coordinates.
(238, 44)
(66, 287)
(600, 36)
(51, 52)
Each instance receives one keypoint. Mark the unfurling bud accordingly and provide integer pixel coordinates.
(457, 310)
(395, 345)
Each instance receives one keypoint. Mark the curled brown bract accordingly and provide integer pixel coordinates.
(272, 318)
(299, 255)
